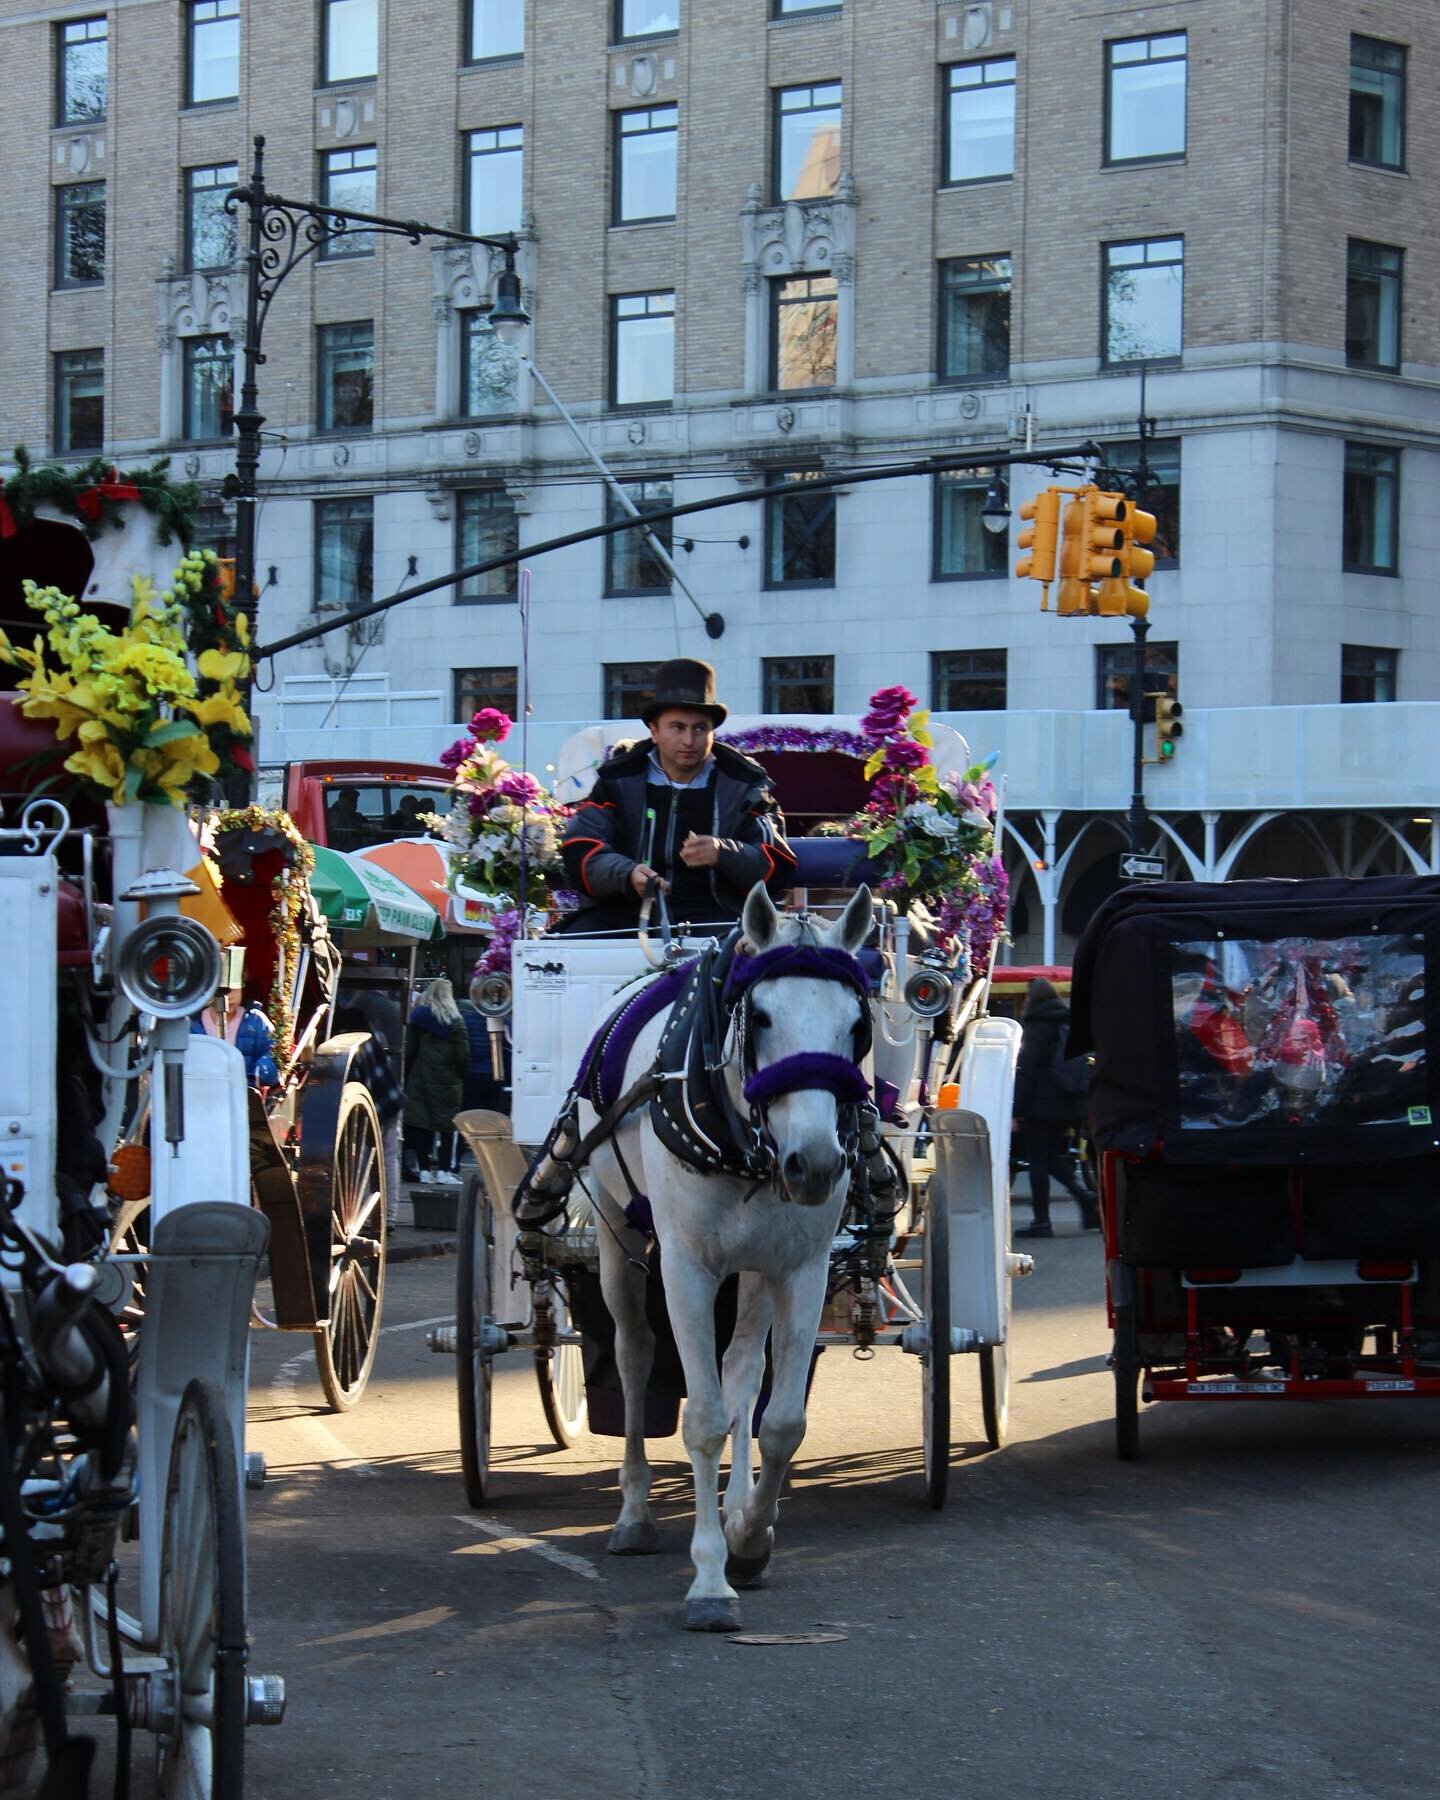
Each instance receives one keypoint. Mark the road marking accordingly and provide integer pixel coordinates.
(507, 1538)
(420, 1621)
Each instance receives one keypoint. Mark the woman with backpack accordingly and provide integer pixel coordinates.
(1049, 1097)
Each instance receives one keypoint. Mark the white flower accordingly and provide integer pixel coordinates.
(930, 819)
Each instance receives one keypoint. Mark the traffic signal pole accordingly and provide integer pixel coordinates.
(1139, 817)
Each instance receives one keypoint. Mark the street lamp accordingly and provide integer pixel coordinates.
(995, 516)
(508, 317)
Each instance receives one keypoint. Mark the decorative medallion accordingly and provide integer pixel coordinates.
(785, 418)
(969, 406)
(472, 443)
(636, 433)
(340, 455)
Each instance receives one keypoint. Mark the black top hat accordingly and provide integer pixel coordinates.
(685, 682)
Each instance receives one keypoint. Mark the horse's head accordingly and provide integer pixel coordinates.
(808, 1027)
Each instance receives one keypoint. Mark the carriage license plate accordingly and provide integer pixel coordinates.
(1390, 1387)
(1234, 1387)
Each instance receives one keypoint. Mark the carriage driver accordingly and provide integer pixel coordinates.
(694, 815)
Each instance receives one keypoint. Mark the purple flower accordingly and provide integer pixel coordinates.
(905, 753)
(491, 725)
(888, 710)
(520, 787)
(457, 753)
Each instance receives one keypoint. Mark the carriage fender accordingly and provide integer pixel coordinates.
(212, 1160)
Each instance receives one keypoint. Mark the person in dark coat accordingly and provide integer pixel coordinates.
(437, 1053)
(679, 810)
(1046, 1110)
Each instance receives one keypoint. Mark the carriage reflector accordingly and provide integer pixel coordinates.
(491, 995)
(927, 993)
(169, 967)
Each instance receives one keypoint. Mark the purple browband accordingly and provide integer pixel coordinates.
(798, 959)
(810, 1069)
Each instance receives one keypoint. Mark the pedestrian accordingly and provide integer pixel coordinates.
(437, 1054)
(371, 1066)
(483, 1087)
(1046, 1109)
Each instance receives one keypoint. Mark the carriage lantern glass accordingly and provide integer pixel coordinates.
(169, 967)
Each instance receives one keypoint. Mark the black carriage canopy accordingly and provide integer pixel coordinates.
(1264, 1021)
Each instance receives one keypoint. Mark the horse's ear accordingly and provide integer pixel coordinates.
(854, 924)
(759, 919)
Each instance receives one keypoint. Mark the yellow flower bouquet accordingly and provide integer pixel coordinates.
(146, 726)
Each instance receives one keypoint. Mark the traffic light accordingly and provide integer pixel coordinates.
(1167, 726)
(1075, 592)
(1040, 538)
(1139, 528)
(226, 565)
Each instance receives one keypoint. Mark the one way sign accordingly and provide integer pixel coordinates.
(1141, 868)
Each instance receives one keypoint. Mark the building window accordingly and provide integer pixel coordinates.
(1377, 103)
(494, 167)
(347, 376)
(975, 319)
(476, 688)
(807, 141)
(1115, 665)
(209, 387)
(344, 552)
(785, 9)
(1145, 99)
(350, 49)
(497, 28)
(214, 529)
(209, 229)
(980, 120)
(627, 687)
(1367, 674)
(964, 549)
(1370, 526)
(213, 52)
(348, 181)
(642, 349)
(798, 684)
(80, 234)
(800, 534)
(1144, 300)
(79, 400)
(804, 311)
(631, 567)
(487, 526)
(968, 680)
(1372, 305)
(489, 371)
(646, 18)
(1161, 496)
(84, 71)
(645, 144)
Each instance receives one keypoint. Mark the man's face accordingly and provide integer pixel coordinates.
(684, 739)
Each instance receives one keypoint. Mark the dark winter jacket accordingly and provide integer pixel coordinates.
(606, 836)
(436, 1057)
(1044, 1030)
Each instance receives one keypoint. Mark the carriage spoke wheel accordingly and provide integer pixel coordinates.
(935, 1386)
(474, 1304)
(345, 1344)
(1126, 1362)
(561, 1375)
(201, 1744)
(995, 1369)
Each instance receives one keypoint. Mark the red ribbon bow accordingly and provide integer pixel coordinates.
(90, 504)
(8, 527)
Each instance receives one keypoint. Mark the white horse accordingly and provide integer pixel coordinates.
(776, 1237)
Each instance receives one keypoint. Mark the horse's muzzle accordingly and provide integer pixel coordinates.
(810, 1178)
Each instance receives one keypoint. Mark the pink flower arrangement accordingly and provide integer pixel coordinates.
(490, 725)
(889, 708)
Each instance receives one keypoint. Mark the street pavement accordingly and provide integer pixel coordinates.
(1249, 1609)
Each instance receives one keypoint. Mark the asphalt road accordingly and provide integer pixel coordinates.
(1249, 1609)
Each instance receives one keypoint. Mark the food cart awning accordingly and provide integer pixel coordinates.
(423, 866)
(368, 903)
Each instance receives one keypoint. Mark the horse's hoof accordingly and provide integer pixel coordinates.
(638, 1539)
(748, 1571)
(712, 1615)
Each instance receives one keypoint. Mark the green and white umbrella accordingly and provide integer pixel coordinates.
(368, 903)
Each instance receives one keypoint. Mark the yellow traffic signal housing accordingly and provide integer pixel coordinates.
(1139, 529)
(1167, 726)
(1104, 535)
(1040, 537)
(226, 565)
(1076, 594)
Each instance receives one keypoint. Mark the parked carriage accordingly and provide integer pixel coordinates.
(1266, 1099)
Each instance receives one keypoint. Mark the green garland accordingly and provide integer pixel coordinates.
(287, 902)
(87, 494)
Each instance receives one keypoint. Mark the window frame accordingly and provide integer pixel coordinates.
(1396, 277)
(778, 303)
(948, 94)
(618, 138)
(188, 347)
(465, 499)
(778, 109)
(803, 9)
(1152, 650)
(324, 79)
(489, 693)
(190, 189)
(63, 27)
(774, 523)
(1386, 667)
(193, 27)
(771, 680)
(943, 375)
(615, 403)
(64, 210)
(937, 675)
(1364, 162)
(326, 506)
(361, 240)
(469, 158)
(60, 372)
(964, 481)
(664, 530)
(1110, 161)
(611, 677)
(1360, 447)
(324, 426)
(1169, 359)
(622, 36)
(470, 60)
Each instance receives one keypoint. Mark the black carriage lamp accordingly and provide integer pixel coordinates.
(995, 515)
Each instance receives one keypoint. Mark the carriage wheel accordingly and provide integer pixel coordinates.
(561, 1375)
(473, 1303)
(935, 1391)
(201, 1746)
(345, 1344)
(995, 1368)
(1127, 1383)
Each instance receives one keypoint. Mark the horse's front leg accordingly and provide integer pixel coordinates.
(797, 1304)
(690, 1290)
(742, 1374)
(622, 1281)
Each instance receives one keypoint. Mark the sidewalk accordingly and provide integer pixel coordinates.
(405, 1244)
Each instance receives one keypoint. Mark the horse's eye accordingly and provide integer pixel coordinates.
(761, 1019)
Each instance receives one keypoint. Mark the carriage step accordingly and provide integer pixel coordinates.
(264, 1699)
(254, 1469)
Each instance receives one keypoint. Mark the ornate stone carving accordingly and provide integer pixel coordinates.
(464, 274)
(472, 443)
(192, 465)
(636, 431)
(785, 418)
(340, 455)
(800, 237)
(195, 305)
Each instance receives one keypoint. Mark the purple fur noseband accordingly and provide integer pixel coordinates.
(809, 1070)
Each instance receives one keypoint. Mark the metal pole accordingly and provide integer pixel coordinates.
(248, 421)
(1139, 818)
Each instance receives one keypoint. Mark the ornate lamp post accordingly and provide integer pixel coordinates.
(283, 233)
